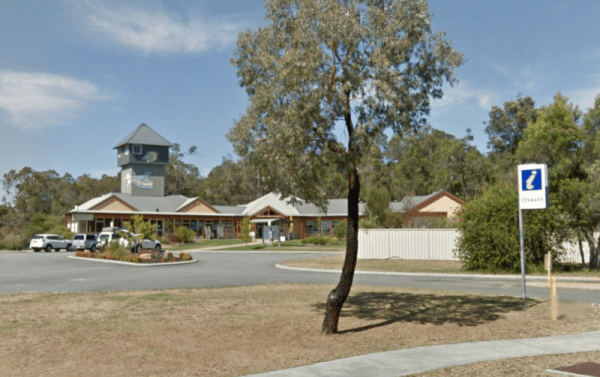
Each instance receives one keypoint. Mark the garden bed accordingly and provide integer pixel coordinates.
(145, 256)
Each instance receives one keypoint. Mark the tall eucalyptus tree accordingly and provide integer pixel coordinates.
(323, 78)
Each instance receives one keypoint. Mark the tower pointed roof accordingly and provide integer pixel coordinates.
(146, 136)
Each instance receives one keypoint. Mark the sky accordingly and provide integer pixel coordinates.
(76, 77)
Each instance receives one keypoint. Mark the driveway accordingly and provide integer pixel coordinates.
(55, 272)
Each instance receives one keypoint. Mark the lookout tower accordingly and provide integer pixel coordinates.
(142, 156)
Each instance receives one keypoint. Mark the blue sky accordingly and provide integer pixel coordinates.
(78, 76)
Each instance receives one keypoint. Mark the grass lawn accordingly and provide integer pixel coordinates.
(293, 245)
(203, 244)
(244, 330)
(335, 262)
(523, 366)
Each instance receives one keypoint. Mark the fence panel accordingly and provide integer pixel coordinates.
(407, 243)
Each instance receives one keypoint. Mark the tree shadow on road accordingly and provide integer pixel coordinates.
(463, 310)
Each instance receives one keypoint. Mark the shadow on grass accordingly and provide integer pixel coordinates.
(463, 310)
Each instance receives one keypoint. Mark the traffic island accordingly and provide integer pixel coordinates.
(144, 258)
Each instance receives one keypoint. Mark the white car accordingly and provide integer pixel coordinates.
(110, 235)
(48, 242)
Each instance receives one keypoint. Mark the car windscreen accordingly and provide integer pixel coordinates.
(37, 237)
(78, 237)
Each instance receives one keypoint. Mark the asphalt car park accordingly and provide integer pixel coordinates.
(55, 272)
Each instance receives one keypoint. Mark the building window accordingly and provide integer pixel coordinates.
(311, 228)
(137, 149)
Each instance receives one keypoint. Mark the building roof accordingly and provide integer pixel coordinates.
(144, 135)
(409, 202)
(174, 203)
(272, 200)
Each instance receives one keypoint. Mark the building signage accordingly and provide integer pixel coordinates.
(142, 181)
(533, 186)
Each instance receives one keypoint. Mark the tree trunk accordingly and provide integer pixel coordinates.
(581, 251)
(338, 296)
(594, 249)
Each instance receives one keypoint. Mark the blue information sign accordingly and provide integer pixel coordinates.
(531, 179)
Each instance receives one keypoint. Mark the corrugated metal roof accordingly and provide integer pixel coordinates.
(146, 136)
(409, 202)
(172, 203)
(229, 210)
(270, 200)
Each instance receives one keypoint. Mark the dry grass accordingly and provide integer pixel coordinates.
(335, 262)
(236, 331)
(524, 366)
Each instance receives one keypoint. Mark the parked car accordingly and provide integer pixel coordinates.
(48, 242)
(111, 235)
(85, 241)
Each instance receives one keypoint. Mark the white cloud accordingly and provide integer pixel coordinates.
(155, 31)
(585, 97)
(526, 79)
(459, 94)
(33, 100)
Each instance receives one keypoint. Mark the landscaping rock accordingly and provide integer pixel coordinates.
(146, 257)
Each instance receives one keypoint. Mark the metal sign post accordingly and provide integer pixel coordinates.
(533, 194)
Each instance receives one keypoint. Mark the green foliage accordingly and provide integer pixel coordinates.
(319, 239)
(41, 223)
(245, 229)
(554, 139)
(506, 125)
(341, 229)
(490, 231)
(316, 62)
(394, 220)
(367, 223)
(423, 161)
(181, 178)
(185, 234)
(377, 200)
(143, 229)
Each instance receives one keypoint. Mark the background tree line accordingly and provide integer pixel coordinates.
(416, 162)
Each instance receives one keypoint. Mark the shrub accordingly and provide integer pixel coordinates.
(185, 257)
(341, 229)
(490, 232)
(172, 238)
(318, 239)
(367, 223)
(185, 234)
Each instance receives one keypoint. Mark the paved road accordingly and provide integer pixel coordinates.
(55, 272)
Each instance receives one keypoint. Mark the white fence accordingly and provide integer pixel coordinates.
(436, 244)
(572, 254)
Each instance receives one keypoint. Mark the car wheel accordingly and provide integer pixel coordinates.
(157, 248)
(35, 250)
(69, 248)
(48, 248)
(93, 249)
(138, 248)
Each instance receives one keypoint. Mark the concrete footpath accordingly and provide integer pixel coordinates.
(422, 359)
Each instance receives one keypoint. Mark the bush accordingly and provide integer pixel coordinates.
(490, 232)
(341, 229)
(185, 234)
(367, 223)
(318, 239)
(172, 238)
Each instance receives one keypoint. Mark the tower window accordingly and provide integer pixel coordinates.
(137, 149)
